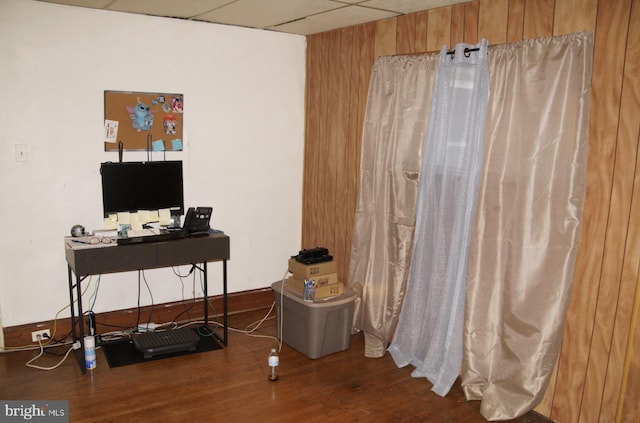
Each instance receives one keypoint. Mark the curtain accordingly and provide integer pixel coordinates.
(523, 245)
(394, 127)
(523, 249)
(429, 331)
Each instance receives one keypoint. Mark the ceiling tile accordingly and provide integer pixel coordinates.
(261, 13)
(337, 18)
(94, 4)
(409, 6)
(171, 8)
(303, 17)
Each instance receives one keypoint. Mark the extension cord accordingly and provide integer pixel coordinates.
(148, 327)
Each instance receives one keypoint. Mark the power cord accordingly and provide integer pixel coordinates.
(50, 339)
(75, 346)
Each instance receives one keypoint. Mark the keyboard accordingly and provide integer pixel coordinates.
(162, 236)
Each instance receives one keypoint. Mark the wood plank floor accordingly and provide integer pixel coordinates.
(231, 385)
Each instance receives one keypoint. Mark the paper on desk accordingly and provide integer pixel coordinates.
(134, 221)
(88, 242)
(165, 217)
(153, 216)
(124, 218)
(111, 222)
(143, 216)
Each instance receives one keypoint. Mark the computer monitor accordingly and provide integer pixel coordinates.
(134, 186)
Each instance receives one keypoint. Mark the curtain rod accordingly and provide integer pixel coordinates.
(467, 50)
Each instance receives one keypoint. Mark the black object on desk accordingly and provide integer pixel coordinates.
(151, 255)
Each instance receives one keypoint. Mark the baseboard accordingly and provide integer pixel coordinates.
(1, 335)
(16, 336)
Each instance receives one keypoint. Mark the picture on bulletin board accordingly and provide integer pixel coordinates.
(143, 121)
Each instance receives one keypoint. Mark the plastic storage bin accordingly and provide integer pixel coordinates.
(315, 328)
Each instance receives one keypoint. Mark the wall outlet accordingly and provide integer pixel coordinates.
(44, 334)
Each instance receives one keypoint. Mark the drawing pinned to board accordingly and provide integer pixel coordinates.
(169, 124)
(110, 131)
(140, 114)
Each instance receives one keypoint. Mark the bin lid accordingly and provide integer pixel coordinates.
(347, 296)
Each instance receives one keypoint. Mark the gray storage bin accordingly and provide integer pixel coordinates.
(315, 328)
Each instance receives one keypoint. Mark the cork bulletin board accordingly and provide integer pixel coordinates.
(143, 121)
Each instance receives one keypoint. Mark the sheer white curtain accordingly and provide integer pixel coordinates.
(429, 331)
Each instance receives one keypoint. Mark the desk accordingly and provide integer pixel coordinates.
(84, 262)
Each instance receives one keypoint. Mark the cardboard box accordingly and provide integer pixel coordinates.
(320, 280)
(319, 292)
(306, 271)
(317, 328)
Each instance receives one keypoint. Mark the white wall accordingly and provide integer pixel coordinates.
(244, 134)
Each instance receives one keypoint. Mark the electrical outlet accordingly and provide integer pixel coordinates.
(43, 334)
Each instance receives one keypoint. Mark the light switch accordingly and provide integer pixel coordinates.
(22, 153)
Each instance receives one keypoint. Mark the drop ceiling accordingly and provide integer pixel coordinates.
(304, 17)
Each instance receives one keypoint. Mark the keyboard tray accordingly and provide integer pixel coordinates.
(152, 344)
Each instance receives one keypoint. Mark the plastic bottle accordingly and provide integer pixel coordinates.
(90, 352)
(274, 361)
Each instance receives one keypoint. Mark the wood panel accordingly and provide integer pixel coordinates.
(538, 20)
(471, 21)
(385, 40)
(492, 21)
(574, 16)
(597, 376)
(585, 350)
(457, 25)
(405, 38)
(312, 158)
(628, 409)
(623, 332)
(340, 145)
(439, 29)
(515, 20)
(422, 20)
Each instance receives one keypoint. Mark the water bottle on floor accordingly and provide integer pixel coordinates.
(274, 361)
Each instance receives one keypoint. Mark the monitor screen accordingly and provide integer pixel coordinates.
(133, 186)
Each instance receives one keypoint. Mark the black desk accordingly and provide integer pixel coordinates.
(85, 262)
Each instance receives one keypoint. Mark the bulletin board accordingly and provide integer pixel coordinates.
(143, 121)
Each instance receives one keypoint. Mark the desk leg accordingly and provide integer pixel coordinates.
(224, 301)
(81, 323)
(206, 295)
(77, 335)
(72, 305)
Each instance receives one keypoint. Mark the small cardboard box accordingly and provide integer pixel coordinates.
(306, 271)
(320, 280)
(319, 292)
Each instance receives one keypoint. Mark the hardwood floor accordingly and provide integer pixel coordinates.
(231, 385)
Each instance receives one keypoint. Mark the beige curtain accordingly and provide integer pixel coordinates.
(523, 250)
(393, 132)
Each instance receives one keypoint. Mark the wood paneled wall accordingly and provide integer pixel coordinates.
(597, 378)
